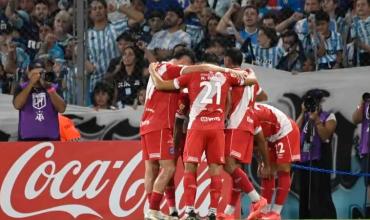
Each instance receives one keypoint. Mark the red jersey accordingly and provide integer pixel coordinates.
(275, 124)
(243, 98)
(183, 105)
(160, 106)
(207, 94)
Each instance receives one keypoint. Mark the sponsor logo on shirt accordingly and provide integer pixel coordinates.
(250, 120)
(235, 153)
(149, 110)
(193, 159)
(209, 119)
(146, 122)
(155, 155)
(172, 150)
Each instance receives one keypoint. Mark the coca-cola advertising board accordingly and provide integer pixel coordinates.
(86, 180)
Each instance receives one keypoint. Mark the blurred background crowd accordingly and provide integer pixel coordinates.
(122, 37)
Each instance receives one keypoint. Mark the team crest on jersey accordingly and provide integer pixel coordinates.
(39, 100)
(172, 150)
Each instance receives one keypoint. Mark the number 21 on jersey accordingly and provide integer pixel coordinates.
(211, 89)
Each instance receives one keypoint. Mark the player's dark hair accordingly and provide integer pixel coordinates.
(185, 52)
(235, 56)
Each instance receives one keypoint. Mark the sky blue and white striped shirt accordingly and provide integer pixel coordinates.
(167, 41)
(267, 57)
(301, 27)
(361, 30)
(102, 48)
(333, 45)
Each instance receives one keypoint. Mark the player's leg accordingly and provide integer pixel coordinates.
(166, 154)
(192, 155)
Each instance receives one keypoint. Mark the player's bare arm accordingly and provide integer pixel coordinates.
(260, 142)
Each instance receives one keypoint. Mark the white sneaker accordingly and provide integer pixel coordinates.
(155, 215)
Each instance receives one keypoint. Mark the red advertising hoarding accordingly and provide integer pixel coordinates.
(86, 180)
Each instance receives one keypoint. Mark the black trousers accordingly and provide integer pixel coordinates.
(315, 201)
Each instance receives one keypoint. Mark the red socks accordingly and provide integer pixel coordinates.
(240, 178)
(190, 188)
(155, 201)
(267, 189)
(215, 190)
(235, 195)
(148, 195)
(170, 193)
(283, 187)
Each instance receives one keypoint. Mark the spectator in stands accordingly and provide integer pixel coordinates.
(294, 58)
(5, 27)
(12, 55)
(62, 28)
(3, 79)
(193, 25)
(155, 23)
(246, 35)
(330, 56)
(124, 40)
(337, 22)
(267, 53)
(102, 96)
(140, 99)
(269, 20)
(360, 32)
(38, 104)
(101, 39)
(317, 129)
(49, 46)
(164, 41)
(27, 6)
(127, 77)
(219, 6)
(69, 71)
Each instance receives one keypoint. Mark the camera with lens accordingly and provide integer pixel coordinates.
(310, 103)
(366, 97)
(49, 76)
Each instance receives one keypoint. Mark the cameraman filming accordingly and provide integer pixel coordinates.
(317, 128)
(38, 104)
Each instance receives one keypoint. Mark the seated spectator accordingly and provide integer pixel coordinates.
(330, 49)
(27, 6)
(123, 40)
(38, 105)
(140, 99)
(164, 41)
(248, 33)
(127, 77)
(294, 58)
(267, 53)
(102, 96)
(360, 32)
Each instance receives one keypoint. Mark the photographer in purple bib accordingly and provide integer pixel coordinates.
(38, 103)
(362, 116)
(317, 128)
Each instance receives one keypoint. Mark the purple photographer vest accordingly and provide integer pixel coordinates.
(38, 118)
(364, 142)
(311, 151)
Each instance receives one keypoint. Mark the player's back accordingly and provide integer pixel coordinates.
(160, 106)
(208, 94)
(275, 124)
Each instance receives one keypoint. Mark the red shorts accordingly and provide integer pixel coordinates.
(158, 145)
(210, 141)
(286, 149)
(239, 145)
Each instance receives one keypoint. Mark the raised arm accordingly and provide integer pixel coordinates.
(159, 83)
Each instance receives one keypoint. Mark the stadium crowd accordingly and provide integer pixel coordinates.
(123, 38)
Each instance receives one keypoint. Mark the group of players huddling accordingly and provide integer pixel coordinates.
(223, 121)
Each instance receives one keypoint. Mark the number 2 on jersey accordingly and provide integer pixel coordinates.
(208, 96)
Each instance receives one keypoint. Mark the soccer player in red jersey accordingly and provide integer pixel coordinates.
(156, 131)
(207, 94)
(241, 131)
(283, 137)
